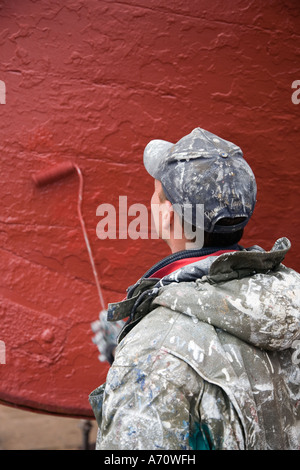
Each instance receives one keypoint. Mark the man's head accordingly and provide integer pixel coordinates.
(206, 180)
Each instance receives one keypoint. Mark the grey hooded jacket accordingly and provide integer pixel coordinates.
(209, 360)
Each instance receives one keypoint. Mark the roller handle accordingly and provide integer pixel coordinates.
(56, 173)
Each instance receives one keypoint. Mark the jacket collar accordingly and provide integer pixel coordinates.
(163, 273)
(212, 267)
(182, 258)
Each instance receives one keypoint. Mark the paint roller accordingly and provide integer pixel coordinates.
(54, 174)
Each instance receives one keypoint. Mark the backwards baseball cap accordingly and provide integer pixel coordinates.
(202, 169)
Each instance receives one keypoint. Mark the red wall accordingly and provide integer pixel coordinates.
(92, 82)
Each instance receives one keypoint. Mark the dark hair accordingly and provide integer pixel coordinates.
(216, 239)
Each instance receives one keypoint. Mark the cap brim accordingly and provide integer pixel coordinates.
(154, 154)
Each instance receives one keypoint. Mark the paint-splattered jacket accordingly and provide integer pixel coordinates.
(209, 360)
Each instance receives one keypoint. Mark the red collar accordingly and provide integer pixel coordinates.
(170, 268)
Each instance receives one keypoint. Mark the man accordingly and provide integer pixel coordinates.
(208, 358)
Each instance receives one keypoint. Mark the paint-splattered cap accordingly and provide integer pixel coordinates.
(204, 170)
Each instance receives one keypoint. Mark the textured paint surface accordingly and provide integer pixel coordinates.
(93, 82)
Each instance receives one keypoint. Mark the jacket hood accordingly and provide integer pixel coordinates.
(248, 294)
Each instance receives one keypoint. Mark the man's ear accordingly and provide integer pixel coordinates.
(167, 215)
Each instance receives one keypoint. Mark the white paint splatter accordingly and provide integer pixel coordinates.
(196, 350)
(226, 374)
(271, 365)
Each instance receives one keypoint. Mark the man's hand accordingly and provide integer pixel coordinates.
(105, 338)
